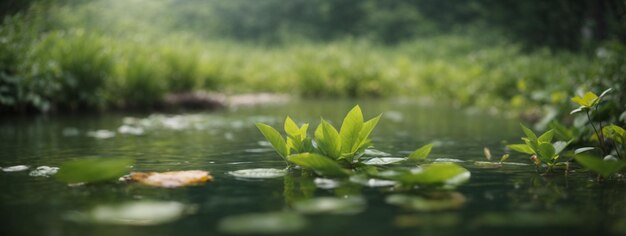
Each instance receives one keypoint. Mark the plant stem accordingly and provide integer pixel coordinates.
(600, 138)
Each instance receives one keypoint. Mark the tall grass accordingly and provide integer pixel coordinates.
(75, 68)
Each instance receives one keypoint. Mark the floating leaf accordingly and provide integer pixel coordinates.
(171, 179)
(375, 153)
(448, 160)
(274, 138)
(331, 205)
(258, 173)
(421, 153)
(602, 167)
(16, 168)
(263, 223)
(44, 171)
(93, 169)
(132, 213)
(435, 202)
(370, 182)
(379, 161)
(488, 164)
(101, 134)
(320, 164)
(326, 183)
(436, 173)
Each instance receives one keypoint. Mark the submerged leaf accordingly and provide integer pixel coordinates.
(320, 164)
(605, 168)
(93, 169)
(437, 202)
(421, 153)
(171, 179)
(263, 223)
(331, 205)
(132, 213)
(258, 173)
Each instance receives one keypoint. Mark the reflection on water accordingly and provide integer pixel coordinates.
(227, 144)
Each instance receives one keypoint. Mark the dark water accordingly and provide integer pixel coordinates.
(508, 200)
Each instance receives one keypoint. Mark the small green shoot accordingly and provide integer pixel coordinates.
(421, 153)
(541, 148)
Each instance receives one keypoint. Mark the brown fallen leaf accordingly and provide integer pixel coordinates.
(170, 179)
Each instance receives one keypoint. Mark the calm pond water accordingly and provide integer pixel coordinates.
(508, 200)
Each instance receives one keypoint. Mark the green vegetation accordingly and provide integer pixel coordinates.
(333, 153)
(93, 170)
(70, 55)
(610, 140)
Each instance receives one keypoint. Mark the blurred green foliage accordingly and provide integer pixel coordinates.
(71, 54)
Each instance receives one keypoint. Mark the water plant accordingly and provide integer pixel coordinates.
(340, 153)
(611, 139)
(541, 148)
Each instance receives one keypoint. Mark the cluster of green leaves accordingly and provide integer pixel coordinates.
(542, 149)
(606, 164)
(605, 158)
(338, 153)
(344, 146)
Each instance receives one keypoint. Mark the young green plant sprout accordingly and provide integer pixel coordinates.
(609, 164)
(337, 153)
(541, 148)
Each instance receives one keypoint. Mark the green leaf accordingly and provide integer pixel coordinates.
(523, 148)
(263, 223)
(332, 139)
(547, 136)
(291, 128)
(320, 164)
(421, 153)
(529, 133)
(559, 146)
(275, 139)
(603, 168)
(504, 157)
(583, 149)
(587, 100)
(436, 173)
(614, 132)
(365, 133)
(350, 130)
(93, 169)
(546, 152)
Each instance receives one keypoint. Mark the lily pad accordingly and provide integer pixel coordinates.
(331, 205)
(15, 168)
(132, 213)
(258, 173)
(379, 161)
(263, 223)
(44, 171)
(435, 202)
(171, 179)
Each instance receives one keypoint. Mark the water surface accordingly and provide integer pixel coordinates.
(511, 200)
